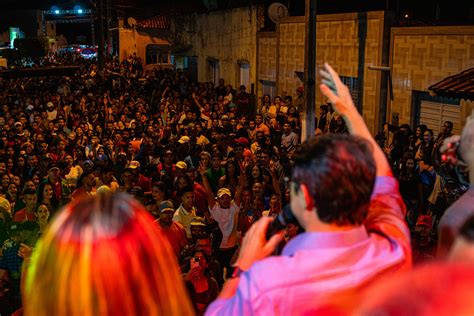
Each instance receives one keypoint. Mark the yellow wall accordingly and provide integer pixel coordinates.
(290, 54)
(422, 56)
(338, 44)
(228, 36)
(266, 60)
(467, 106)
(133, 41)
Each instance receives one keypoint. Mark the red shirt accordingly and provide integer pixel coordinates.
(176, 236)
(23, 216)
(200, 199)
(144, 183)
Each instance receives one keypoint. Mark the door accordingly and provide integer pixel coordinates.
(433, 114)
(245, 75)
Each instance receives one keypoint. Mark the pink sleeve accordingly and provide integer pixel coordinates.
(386, 214)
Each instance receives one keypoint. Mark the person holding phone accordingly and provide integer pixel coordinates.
(202, 287)
(344, 196)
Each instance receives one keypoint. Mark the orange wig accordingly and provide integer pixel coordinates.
(104, 256)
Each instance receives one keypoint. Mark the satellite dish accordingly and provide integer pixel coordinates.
(277, 11)
(132, 22)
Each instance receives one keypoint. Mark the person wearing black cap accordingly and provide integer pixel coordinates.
(173, 231)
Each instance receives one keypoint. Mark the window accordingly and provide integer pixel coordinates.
(245, 75)
(180, 62)
(213, 70)
(434, 114)
(157, 54)
(268, 87)
(434, 111)
(353, 84)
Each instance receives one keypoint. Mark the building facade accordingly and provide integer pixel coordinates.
(228, 44)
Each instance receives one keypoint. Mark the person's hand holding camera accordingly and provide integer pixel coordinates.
(195, 272)
(255, 246)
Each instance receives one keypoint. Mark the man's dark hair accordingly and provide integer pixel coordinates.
(29, 191)
(30, 226)
(339, 172)
(324, 107)
(216, 155)
(449, 123)
(467, 229)
(186, 189)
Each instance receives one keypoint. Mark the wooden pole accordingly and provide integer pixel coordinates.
(310, 72)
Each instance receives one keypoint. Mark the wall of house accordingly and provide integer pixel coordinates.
(266, 60)
(422, 56)
(338, 44)
(134, 41)
(227, 36)
(467, 106)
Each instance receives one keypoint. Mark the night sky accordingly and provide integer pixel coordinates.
(423, 9)
(422, 12)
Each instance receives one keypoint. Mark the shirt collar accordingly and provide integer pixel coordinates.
(321, 240)
(186, 212)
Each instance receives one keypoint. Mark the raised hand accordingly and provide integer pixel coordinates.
(201, 169)
(337, 92)
(255, 246)
(25, 251)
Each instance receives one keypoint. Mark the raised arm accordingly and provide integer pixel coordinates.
(163, 95)
(197, 101)
(240, 188)
(344, 105)
(386, 212)
(207, 186)
(275, 180)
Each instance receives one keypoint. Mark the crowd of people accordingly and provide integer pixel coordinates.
(187, 151)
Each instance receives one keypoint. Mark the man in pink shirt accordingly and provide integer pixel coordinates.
(346, 199)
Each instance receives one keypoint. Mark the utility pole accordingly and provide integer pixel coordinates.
(309, 71)
(108, 18)
(100, 26)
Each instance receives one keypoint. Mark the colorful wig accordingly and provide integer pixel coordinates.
(104, 256)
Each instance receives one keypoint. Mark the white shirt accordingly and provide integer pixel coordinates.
(227, 220)
(184, 217)
(52, 115)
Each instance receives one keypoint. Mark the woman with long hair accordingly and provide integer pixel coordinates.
(265, 105)
(46, 196)
(293, 118)
(104, 256)
(42, 217)
(230, 179)
(5, 183)
(159, 193)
